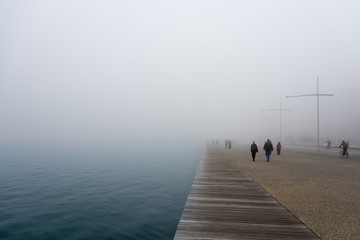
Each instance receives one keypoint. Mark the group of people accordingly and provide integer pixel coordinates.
(344, 145)
(227, 143)
(268, 148)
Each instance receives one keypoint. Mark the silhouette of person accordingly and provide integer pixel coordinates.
(344, 145)
(278, 148)
(253, 150)
(268, 148)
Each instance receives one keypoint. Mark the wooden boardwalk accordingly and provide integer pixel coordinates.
(225, 203)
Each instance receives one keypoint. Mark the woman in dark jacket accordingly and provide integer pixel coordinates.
(253, 150)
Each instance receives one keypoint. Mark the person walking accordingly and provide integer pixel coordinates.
(268, 148)
(278, 148)
(253, 150)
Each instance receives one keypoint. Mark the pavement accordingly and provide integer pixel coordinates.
(320, 188)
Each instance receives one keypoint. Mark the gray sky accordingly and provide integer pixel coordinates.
(107, 71)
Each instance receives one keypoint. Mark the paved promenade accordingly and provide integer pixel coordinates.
(225, 203)
(320, 188)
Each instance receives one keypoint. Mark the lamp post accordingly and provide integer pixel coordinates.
(280, 110)
(261, 117)
(317, 95)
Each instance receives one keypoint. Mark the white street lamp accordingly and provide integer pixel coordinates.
(317, 95)
(280, 110)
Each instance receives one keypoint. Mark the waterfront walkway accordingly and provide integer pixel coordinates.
(225, 203)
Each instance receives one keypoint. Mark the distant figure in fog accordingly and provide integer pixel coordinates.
(226, 143)
(344, 145)
(268, 148)
(278, 148)
(327, 144)
(253, 150)
(229, 143)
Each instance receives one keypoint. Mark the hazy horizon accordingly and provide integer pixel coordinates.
(109, 72)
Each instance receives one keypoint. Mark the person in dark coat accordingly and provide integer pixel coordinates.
(253, 150)
(344, 145)
(278, 148)
(268, 148)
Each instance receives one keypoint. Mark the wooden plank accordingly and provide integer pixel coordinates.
(224, 203)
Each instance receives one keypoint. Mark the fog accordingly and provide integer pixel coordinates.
(90, 73)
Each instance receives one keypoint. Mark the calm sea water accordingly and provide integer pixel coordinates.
(94, 194)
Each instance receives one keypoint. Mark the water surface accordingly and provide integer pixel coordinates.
(94, 194)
